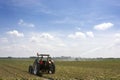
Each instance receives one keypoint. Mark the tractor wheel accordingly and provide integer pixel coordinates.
(52, 69)
(36, 70)
(30, 69)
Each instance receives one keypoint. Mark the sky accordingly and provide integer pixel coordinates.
(76, 28)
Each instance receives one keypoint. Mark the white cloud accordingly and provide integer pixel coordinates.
(47, 36)
(117, 35)
(115, 42)
(41, 37)
(34, 39)
(57, 45)
(46, 42)
(81, 35)
(117, 39)
(103, 26)
(15, 33)
(90, 34)
(77, 35)
(3, 40)
(24, 24)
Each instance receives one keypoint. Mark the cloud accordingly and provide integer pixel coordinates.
(81, 44)
(117, 39)
(81, 35)
(47, 36)
(103, 26)
(34, 39)
(42, 37)
(90, 34)
(43, 42)
(77, 35)
(24, 24)
(116, 42)
(15, 33)
(3, 40)
(117, 35)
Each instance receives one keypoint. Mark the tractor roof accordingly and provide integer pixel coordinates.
(43, 55)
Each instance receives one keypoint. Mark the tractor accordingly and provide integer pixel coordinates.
(42, 64)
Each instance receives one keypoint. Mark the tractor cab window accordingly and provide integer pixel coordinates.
(45, 58)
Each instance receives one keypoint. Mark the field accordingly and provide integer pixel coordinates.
(17, 69)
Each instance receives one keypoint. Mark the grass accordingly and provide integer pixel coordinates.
(17, 69)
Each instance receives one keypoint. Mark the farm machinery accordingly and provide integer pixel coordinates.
(42, 64)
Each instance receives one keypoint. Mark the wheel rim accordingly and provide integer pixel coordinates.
(35, 70)
(50, 72)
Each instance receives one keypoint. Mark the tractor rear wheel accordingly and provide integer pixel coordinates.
(30, 69)
(52, 68)
(37, 71)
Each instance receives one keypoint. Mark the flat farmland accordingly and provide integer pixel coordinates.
(17, 69)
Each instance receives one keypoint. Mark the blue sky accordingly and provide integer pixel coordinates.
(84, 28)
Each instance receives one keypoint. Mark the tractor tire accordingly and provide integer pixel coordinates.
(30, 69)
(52, 69)
(36, 70)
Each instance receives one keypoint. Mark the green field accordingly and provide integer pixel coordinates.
(17, 69)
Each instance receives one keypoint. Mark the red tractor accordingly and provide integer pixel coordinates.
(42, 64)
